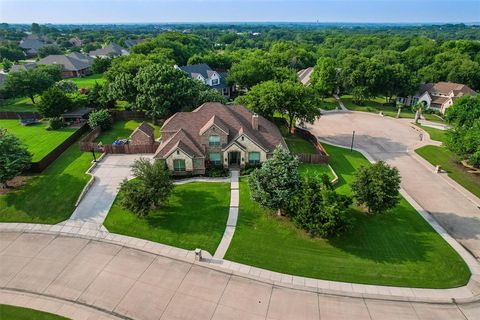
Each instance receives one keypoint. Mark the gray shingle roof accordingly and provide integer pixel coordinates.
(112, 49)
(205, 70)
(34, 44)
(23, 67)
(72, 62)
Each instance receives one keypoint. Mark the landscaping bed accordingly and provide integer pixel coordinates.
(195, 217)
(38, 140)
(398, 248)
(49, 197)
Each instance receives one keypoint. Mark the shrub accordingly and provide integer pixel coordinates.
(100, 118)
(101, 65)
(216, 172)
(134, 197)
(54, 102)
(14, 157)
(67, 86)
(474, 159)
(377, 187)
(319, 210)
(274, 184)
(151, 188)
(55, 123)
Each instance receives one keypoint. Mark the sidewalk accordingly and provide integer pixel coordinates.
(232, 216)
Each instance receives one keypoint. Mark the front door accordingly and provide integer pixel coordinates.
(234, 158)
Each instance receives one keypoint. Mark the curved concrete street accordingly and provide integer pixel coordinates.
(394, 141)
(89, 279)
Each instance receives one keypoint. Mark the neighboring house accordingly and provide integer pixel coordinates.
(75, 41)
(30, 46)
(215, 79)
(143, 135)
(74, 64)
(112, 50)
(216, 135)
(131, 42)
(304, 75)
(437, 96)
(23, 67)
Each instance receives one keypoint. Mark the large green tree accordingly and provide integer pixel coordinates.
(319, 210)
(293, 99)
(14, 157)
(324, 77)
(54, 102)
(151, 187)
(464, 137)
(164, 90)
(276, 182)
(377, 187)
(28, 83)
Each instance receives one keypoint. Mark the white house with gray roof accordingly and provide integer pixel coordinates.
(212, 78)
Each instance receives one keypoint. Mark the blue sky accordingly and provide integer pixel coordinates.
(96, 11)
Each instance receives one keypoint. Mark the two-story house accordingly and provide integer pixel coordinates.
(216, 135)
(212, 78)
(437, 96)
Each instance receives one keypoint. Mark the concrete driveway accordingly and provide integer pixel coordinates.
(134, 284)
(394, 140)
(109, 173)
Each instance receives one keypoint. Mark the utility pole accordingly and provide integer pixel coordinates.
(353, 138)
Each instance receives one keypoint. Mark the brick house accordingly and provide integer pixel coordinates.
(143, 135)
(74, 64)
(216, 135)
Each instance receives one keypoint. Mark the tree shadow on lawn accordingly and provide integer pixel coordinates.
(191, 212)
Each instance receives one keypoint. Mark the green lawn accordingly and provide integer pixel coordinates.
(375, 105)
(450, 163)
(49, 197)
(18, 313)
(315, 170)
(435, 134)
(329, 104)
(89, 81)
(398, 248)
(39, 141)
(195, 217)
(122, 130)
(18, 105)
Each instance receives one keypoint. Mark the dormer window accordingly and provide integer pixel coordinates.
(214, 141)
(215, 82)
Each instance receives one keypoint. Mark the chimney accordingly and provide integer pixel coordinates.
(255, 121)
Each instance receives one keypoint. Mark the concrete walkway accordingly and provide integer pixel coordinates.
(394, 141)
(93, 208)
(340, 103)
(120, 281)
(232, 215)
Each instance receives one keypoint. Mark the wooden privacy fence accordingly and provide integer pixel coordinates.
(130, 148)
(37, 167)
(88, 144)
(18, 115)
(321, 157)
